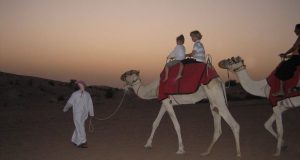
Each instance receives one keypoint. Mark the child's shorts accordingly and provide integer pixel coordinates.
(172, 63)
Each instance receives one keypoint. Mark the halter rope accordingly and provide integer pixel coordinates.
(91, 125)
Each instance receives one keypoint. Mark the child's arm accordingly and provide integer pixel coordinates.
(191, 54)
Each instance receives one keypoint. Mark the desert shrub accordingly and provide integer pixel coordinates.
(30, 82)
(17, 83)
(61, 98)
(51, 83)
(109, 93)
(41, 88)
(72, 82)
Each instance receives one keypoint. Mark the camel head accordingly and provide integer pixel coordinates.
(130, 77)
(232, 64)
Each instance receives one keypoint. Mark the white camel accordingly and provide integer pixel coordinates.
(261, 88)
(213, 91)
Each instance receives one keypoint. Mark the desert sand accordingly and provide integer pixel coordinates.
(36, 129)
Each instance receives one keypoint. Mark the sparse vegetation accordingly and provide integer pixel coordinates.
(72, 82)
(41, 88)
(51, 83)
(30, 82)
(109, 93)
(61, 98)
(17, 83)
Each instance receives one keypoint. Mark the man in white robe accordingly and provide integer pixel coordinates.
(82, 105)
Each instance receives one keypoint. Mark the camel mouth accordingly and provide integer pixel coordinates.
(223, 64)
(129, 73)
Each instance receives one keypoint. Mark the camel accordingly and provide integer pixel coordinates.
(213, 91)
(261, 88)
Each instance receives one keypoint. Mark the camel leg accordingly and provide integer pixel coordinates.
(217, 129)
(161, 113)
(217, 98)
(235, 127)
(173, 117)
(268, 125)
(279, 127)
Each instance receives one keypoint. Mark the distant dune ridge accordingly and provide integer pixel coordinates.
(19, 89)
(15, 90)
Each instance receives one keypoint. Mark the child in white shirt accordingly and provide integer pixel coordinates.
(176, 56)
(198, 52)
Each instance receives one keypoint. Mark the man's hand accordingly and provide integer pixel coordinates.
(65, 109)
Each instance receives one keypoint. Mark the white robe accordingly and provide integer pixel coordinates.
(82, 105)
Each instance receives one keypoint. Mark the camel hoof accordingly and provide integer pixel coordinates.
(180, 152)
(276, 154)
(147, 146)
(205, 154)
(238, 155)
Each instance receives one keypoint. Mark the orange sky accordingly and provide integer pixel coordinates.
(98, 40)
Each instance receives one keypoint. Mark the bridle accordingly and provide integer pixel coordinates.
(240, 68)
(134, 83)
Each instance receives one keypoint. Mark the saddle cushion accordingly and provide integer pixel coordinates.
(274, 83)
(193, 75)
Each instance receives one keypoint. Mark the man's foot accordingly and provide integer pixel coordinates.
(279, 93)
(73, 143)
(82, 145)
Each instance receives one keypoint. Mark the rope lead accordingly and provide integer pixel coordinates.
(91, 125)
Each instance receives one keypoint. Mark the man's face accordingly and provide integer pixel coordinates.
(81, 86)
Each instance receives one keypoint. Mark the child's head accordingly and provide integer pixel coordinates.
(297, 29)
(180, 40)
(196, 35)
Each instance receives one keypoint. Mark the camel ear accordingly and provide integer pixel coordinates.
(138, 72)
(123, 76)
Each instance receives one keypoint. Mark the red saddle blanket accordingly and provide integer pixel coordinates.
(274, 83)
(193, 75)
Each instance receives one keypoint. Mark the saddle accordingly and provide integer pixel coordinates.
(274, 84)
(193, 75)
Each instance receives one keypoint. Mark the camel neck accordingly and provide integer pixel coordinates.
(255, 87)
(148, 91)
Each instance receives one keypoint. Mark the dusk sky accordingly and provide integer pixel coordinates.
(98, 40)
